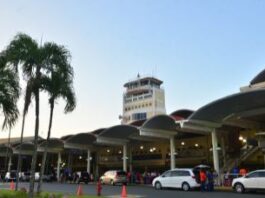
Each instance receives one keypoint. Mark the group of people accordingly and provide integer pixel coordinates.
(234, 173)
(138, 178)
(206, 180)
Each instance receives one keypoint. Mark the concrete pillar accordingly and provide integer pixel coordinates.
(172, 153)
(97, 166)
(69, 161)
(124, 157)
(58, 166)
(223, 150)
(9, 163)
(264, 159)
(215, 152)
(130, 160)
(88, 167)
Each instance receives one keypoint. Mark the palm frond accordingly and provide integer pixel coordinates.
(9, 93)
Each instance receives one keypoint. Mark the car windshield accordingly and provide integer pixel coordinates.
(85, 174)
(121, 173)
(13, 174)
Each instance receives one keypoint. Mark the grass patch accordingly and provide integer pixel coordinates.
(19, 194)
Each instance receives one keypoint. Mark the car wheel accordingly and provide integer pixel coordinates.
(158, 186)
(185, 186)
(239, 188)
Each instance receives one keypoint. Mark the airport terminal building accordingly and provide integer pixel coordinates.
(224, 133)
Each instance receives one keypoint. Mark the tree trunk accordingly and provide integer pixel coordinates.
(46, 147)
(34, 157)
(20, 150)
(7, 151)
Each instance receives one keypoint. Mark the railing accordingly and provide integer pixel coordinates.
(243, 156)
(227, 178)
(136, 98)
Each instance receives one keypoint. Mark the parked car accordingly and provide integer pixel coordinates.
(24, 176)
(83, 177)
(114, 177)
(37, 176)
(184, 179)
(254, 180)
(10, 176)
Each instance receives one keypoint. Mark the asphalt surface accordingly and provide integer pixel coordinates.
(138, 191)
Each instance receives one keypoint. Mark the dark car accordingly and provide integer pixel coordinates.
(24, 176)
(11, 176)
(84, 177)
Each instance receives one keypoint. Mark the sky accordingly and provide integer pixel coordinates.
(202, 50)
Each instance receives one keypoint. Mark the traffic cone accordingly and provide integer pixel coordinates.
(123, 192)
(79, 190)
(12, 185)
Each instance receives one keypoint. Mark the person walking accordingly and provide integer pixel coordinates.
(203, 179)
(210, 182)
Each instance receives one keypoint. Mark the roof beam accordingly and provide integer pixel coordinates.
(157, 133)
(111, 141)
(77, 146)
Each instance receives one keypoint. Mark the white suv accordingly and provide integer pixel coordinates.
(253, 181)
(184, 179)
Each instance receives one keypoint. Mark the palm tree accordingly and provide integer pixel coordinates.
(58, 84)
(27, 101)
(9, 93)
(35, 61)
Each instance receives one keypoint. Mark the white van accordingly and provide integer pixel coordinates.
(184, 179)
(252, 181)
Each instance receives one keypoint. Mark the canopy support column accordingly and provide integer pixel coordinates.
(88, 167)
(9, 163)
(125, 157)
(264, 159)
(69, 161)
(215, 152)
(58, 166)
(172, 153)
(130, 160)
(97, 166)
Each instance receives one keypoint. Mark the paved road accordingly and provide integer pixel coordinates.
(139, 191)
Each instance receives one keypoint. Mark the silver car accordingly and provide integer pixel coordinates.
(114, 177)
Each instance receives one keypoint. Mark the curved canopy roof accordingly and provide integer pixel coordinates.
(64, 138)
(247, 106)
(55, 145)
(259, 78)
(117, 135)
(119, 131)
(138, 123)
(80, 141)
(98, 131)
(181, 114)
(160, 122)
(27, 148)
(159, 126)
(4, 150)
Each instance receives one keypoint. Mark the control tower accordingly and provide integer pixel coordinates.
(142, 99)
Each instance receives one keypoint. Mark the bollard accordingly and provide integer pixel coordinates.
(99, 188)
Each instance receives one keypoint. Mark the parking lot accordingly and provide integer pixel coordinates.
(137, 191)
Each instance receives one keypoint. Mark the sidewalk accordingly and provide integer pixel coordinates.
(224, 188)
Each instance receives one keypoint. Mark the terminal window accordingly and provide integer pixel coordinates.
(139, 116)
